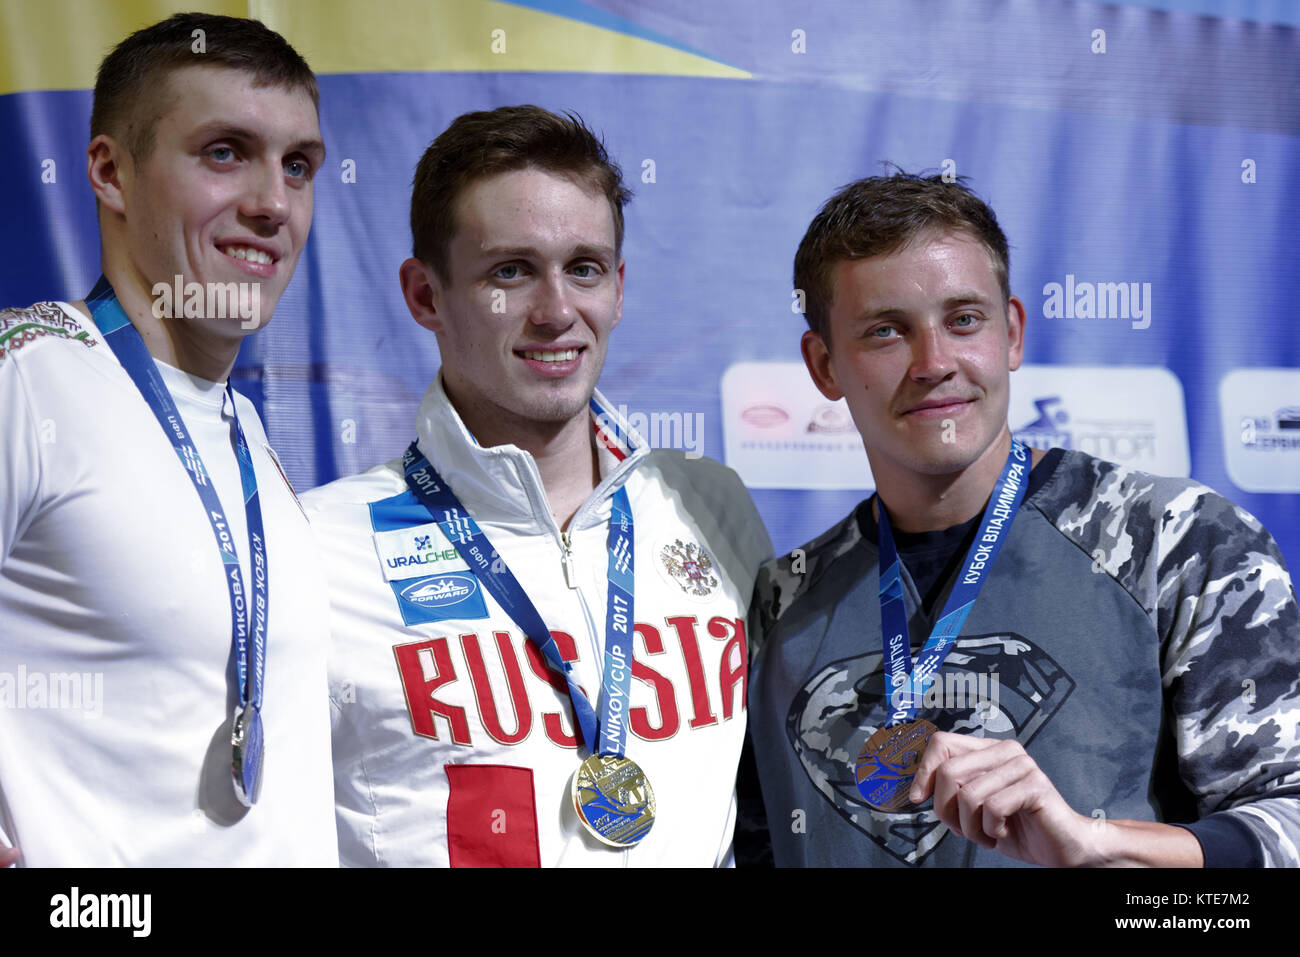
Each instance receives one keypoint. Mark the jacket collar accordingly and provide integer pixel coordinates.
(502, 484)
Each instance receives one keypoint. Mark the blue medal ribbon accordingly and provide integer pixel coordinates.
(247, 618)
(907, 685)
(616, 681)
(476, 550)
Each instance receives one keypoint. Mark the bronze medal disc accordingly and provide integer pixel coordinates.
(888, 763)
(614, 800)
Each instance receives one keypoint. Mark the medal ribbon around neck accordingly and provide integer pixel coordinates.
(250, 656)
(907, 685)
(476, 550)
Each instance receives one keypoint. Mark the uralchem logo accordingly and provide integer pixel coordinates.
(418, 552)
(440, 591)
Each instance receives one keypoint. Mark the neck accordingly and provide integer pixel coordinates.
(179, 342)
(925, 503)
(569, 472)
(565, 452)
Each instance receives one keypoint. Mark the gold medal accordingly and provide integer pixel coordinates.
(888, 763)
(614, 800)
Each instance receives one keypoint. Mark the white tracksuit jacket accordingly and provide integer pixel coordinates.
(454, 742)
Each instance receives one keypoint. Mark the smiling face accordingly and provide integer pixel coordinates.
(523, 319)
(224, 195)
(921, 346)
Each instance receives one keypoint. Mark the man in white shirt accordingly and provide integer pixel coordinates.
(488, 644)
(160, 629)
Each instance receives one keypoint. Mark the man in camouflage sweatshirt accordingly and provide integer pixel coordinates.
(1124, 689)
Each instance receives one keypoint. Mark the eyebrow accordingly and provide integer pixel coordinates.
(221, 130)
(581, 251)
(962, 298)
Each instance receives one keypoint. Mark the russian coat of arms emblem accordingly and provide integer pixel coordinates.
(690, 566)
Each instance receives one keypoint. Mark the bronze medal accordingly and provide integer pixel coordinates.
(614, 800)
(888, 763)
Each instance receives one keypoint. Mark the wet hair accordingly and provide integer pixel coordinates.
(131, 89)
(487, 143)
(880, 215)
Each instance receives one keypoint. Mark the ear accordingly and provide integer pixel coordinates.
(1015, 333)
(817, 357)
(421, 290)
(107, 164)
(618, 312)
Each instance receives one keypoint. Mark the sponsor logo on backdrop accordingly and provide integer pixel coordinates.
(763, 416)
(1260, 413)
(1048, 429)
(1116, 440)
(1281, 430)
(1131, 416)
(833, 420)
(780, 432)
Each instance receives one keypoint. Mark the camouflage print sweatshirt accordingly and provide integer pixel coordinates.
(1138, 635)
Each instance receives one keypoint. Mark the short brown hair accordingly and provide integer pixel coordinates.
(486, 143)
(131, 90)
(880, 215)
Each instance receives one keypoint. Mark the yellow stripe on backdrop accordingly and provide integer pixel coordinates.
(57, 44)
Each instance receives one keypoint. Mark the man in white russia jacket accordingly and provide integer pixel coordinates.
(455, 735)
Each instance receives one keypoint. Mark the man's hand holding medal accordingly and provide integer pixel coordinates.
(991, 792)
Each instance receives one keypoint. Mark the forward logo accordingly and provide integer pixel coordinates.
(440, 591)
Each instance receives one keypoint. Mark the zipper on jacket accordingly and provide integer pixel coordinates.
(567, 560)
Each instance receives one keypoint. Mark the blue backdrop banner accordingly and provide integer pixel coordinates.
(1141, 158)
